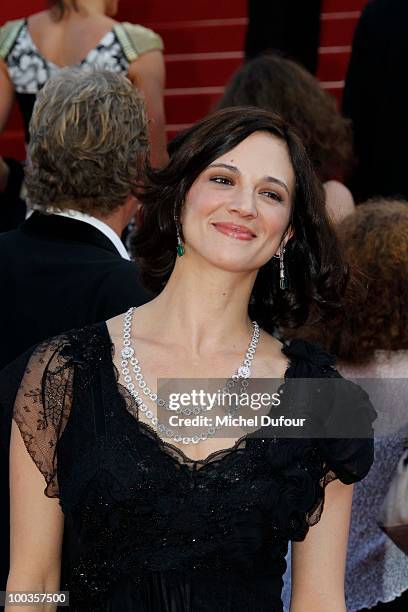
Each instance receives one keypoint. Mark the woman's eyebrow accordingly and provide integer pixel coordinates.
(227, 166)
(272, 179)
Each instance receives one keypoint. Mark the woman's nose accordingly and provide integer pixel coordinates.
(243, 203)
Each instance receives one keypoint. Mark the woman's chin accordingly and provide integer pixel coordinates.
(232, 265)
(226, 259)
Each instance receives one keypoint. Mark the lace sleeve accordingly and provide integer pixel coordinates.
(43, 404)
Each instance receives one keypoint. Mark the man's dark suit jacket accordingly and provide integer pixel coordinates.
(56, 274)
(376, 99)
(12, 207)
(290, 27)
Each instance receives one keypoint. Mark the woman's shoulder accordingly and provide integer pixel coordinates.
(8, 35)
(37, 392)
(136, 39)
(308, 359)
(339, 200)
(339, 412)
(53, 364)
(340, 405)
(83, 347)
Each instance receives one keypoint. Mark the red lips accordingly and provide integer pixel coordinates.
(240, 232)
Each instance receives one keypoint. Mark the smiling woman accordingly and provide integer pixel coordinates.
(245, 167)
(148, 526)
(233, 197)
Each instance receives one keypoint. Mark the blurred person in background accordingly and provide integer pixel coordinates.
(66, 265)
(371, 342)
(280, 85)
(289, 26)
(88, 150)
(82, 33)
(375, 98)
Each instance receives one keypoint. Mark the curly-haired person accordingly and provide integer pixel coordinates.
(370, 339)
(66, 265)
(88, 150)
(281, 85)
(372, 343)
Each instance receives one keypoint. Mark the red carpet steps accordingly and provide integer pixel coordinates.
(204, 45)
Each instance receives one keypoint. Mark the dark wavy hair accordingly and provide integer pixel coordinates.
(314, 264)
(281, 85)
(375, 317)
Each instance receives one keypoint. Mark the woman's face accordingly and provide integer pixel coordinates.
(237, 211)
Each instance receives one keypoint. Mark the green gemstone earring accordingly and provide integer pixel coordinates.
(180, 245)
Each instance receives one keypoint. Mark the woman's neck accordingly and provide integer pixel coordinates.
(203, 307)
(83, 8)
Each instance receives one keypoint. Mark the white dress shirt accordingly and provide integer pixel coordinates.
(100, 225)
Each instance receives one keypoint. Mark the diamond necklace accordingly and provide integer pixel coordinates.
(128, 354)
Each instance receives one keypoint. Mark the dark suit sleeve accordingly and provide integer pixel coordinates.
(12, 207)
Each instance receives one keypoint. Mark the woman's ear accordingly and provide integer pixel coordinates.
(289, 234)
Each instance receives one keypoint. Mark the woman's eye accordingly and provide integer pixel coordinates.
(221, 180)
(272, 195)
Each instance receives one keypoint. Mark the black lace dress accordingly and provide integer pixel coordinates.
(146, 528)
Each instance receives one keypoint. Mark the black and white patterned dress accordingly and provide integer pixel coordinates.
(29, 70)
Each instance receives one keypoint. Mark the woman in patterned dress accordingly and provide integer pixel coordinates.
(82, 32)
